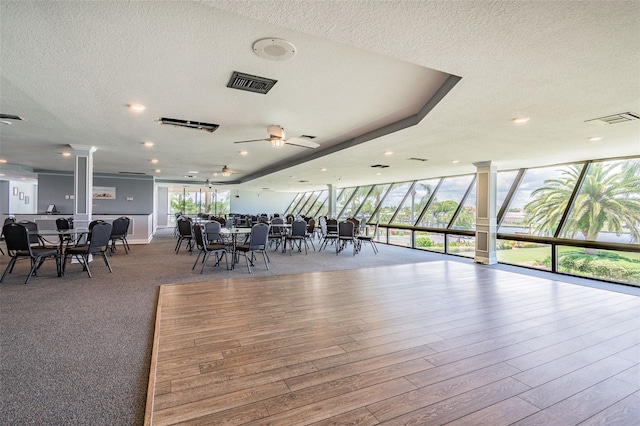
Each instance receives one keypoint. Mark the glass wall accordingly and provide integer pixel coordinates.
(209, 201)
(581, 219)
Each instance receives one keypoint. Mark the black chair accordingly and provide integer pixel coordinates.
(206, 248)
(63, 224)
(8, 220)
(119, 233)
(19, 245)
(276, 232)
(297, 236)
(98, 243)
(311, 231)
(329, 230)
(258, 240)
(184, 234)
(34, 238)
(371, 239)
(346, 234)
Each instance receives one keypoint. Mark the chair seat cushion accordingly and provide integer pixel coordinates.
(79, 249)
(216, 246)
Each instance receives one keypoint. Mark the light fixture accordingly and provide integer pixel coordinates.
(243, 153)
(157, 170)
(148, 144)
(277, 143)
(154, 160)
(226, 172)
(595, 138)
(193, 172)
(455, 161)
(136, 107)
(388, 153)
(2, 160)
(520, 120)
(66, 154)
(324, 169)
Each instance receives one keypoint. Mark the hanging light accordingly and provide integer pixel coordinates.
(226, 172)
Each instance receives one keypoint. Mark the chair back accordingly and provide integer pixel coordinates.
(299, 228)
(62, 224)
(276, 226)
(311, 226)
(100, 236)
(346, 229)
(16, 237)
(259, 236)
(199, 237)
(120, 227)
(32, 227)
(8, 220)
(332, 226)
(184, 227)
(212, 230)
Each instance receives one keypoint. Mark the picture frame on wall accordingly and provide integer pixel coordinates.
(15, 190)
(26, 199)
(21, 196)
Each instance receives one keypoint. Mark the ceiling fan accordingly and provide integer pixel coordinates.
(277, 137)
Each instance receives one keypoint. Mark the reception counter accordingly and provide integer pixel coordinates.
(140, 229)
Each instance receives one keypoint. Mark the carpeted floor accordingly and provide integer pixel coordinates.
(76, 351)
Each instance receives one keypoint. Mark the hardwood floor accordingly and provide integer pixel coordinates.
(432, 343)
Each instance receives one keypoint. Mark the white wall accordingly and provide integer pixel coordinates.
(256, 202)
(29, 192)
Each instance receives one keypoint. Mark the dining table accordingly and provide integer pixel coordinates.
(75, 234)
(231, 234)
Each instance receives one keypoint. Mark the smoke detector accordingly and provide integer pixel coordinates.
(274, 49)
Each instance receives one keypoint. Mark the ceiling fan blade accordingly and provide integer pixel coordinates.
(252, 140)
(303, 142)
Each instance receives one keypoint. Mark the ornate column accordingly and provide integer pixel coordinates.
(486, 223)
(83, 185)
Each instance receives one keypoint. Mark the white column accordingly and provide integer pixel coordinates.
(332, 201)
(83, 185)
(486, 223)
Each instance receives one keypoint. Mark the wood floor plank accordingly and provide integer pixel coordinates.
(433, 343)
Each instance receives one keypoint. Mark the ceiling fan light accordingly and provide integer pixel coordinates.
(277, 143)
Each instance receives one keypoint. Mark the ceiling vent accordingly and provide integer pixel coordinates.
(208, 127)
(132, 173)
(251, 83)
(418, 159)
(614, 119)
(380, 166)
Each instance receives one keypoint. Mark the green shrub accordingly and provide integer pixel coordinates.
(424, 242)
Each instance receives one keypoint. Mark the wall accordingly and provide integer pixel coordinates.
(28, 203)
(162, 206)
(54, 187)
(256, 202)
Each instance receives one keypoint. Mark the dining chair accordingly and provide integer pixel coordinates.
(346, 235)
(206, 248)
(19, 245)
(184, 234)
(371, 239)
(119, 233)
(329, 229)
(276, 232)
(297, 236)
(258, 240)
(98, 244)
(8, 220)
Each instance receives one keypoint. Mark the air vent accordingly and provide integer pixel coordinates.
(418, 159)
(199, 125)
(380, 166)
(9, 117)
(308, 136)
(251, 83)
(132, 173)
(303, 181)
(614, 119)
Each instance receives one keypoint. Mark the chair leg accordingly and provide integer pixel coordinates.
(9, 268)
(204, 260)
(265, 257)
(106, 261)
(196, 262)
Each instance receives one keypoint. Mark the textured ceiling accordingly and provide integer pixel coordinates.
(70, 69)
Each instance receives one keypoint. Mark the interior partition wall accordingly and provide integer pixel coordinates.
(579, 219)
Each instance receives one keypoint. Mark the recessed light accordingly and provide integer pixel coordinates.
(154, 160)
(324, 169)
(244, 152)
(378, 174)
(136, 107)
(520, 120)
(387, 153)
(193, 172)
(157, 170)
(147, 144)
(455, 161)
(215, 174)
(66, 154)
(2, 160)
(1, 174)
(595, 138)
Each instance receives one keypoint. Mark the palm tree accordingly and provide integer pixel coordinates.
(609, 200)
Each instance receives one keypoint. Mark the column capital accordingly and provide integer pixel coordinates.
(84, 148)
